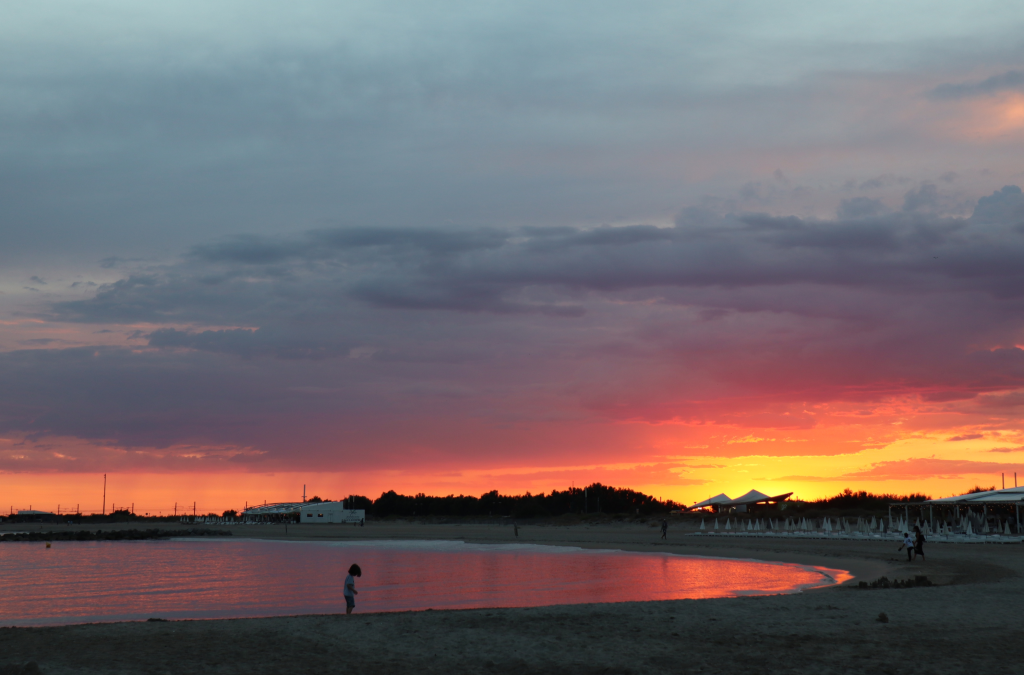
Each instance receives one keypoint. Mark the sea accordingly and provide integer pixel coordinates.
(104, 581)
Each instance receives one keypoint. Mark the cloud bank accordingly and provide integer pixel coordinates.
(360, 345)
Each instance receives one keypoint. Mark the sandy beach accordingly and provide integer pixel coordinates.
(968, 622)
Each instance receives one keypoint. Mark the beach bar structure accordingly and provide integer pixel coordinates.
(741, 504)
(304, 512)
(973, 510)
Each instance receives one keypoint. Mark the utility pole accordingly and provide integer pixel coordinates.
(104, 494)
(193, 511)
(303, 492)
(175, 509)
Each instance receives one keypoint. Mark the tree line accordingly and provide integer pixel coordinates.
(848, 499)
(594, 498)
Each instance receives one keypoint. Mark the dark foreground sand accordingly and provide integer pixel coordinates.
(973, 622)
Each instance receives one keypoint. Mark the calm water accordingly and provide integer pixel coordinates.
(76, 582)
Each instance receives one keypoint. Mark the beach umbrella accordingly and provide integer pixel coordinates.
(702, 524)
(1006, 528)
(970, 530)
(727, 524)
(716, 523)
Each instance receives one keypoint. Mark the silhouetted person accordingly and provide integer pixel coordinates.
(664, 529)
(350, 588)
(515, 530)
(918, 543)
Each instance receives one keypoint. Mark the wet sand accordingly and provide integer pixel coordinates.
(969, 623)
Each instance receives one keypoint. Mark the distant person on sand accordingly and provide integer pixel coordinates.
(515, 530)
(350, 588)
(908, 544)
(664, 529)
(918, 543)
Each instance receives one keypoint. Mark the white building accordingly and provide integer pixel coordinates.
(330, 512)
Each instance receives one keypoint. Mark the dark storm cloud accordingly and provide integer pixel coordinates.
(248, 343)
(1012, 80)
(1002, 206)
(860, 207)
(718, 318)
(254, 280)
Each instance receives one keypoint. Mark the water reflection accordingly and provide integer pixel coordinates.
(77, 582)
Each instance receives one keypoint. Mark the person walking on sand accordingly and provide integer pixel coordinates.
(515, 529)
(664, 529)
(350, 588)
(918, 543)
(908, 544)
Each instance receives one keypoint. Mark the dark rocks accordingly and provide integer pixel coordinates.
(884, 582)
(882, 617)
(30, 668)
(113, 535)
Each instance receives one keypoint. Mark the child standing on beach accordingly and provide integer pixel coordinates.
(350, 588)
(908, 544)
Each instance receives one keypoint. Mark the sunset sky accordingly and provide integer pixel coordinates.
(686, 248)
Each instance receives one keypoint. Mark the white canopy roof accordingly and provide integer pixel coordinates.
(1005, 496)
(717, 499)
(749, 498)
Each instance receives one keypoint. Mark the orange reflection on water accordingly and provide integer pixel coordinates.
(77, 582)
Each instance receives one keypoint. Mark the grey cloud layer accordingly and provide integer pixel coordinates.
(396, 338)
(131, 132)
(1012, 80)
(549, 270)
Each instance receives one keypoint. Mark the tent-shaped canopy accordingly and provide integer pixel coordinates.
(712, 501)
(752, 497)
(755, 497)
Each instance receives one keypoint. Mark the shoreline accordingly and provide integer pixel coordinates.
(965, 624)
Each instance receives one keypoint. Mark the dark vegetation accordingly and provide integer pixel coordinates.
(848, 499)
(594, 499)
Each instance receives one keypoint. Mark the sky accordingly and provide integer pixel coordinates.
(248, 248)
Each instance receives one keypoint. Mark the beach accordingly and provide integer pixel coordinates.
(967, 622)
